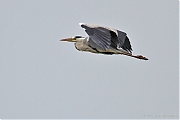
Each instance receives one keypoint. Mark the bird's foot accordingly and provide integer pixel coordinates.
(141, 57)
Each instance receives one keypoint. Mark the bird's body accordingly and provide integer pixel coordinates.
(84, 45)
(103, 40)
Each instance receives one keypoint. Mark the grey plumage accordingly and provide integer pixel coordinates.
(105, 37)
(103, 40)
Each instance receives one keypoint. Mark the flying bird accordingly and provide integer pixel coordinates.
(103, 40)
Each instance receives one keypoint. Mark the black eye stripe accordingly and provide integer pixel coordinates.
(78, 36)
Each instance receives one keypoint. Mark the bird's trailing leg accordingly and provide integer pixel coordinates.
(135, 56)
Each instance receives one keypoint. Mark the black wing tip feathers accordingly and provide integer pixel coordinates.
(127, 45)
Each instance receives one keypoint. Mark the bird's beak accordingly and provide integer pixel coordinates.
(68, 39)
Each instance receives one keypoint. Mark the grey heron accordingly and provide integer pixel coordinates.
(103, 40)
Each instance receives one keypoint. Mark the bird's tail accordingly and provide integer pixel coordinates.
(135, 56)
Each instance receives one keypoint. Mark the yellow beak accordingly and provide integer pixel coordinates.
(68, 39)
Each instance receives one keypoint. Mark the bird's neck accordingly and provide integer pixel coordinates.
(81, 42)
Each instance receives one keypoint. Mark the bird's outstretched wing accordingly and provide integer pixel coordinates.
(98, 35)
(105, 37)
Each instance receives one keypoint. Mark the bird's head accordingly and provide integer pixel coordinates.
(73, 39)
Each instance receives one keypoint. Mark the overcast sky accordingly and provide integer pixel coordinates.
(41, 77)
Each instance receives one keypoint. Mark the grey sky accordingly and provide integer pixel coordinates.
(41, 77)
